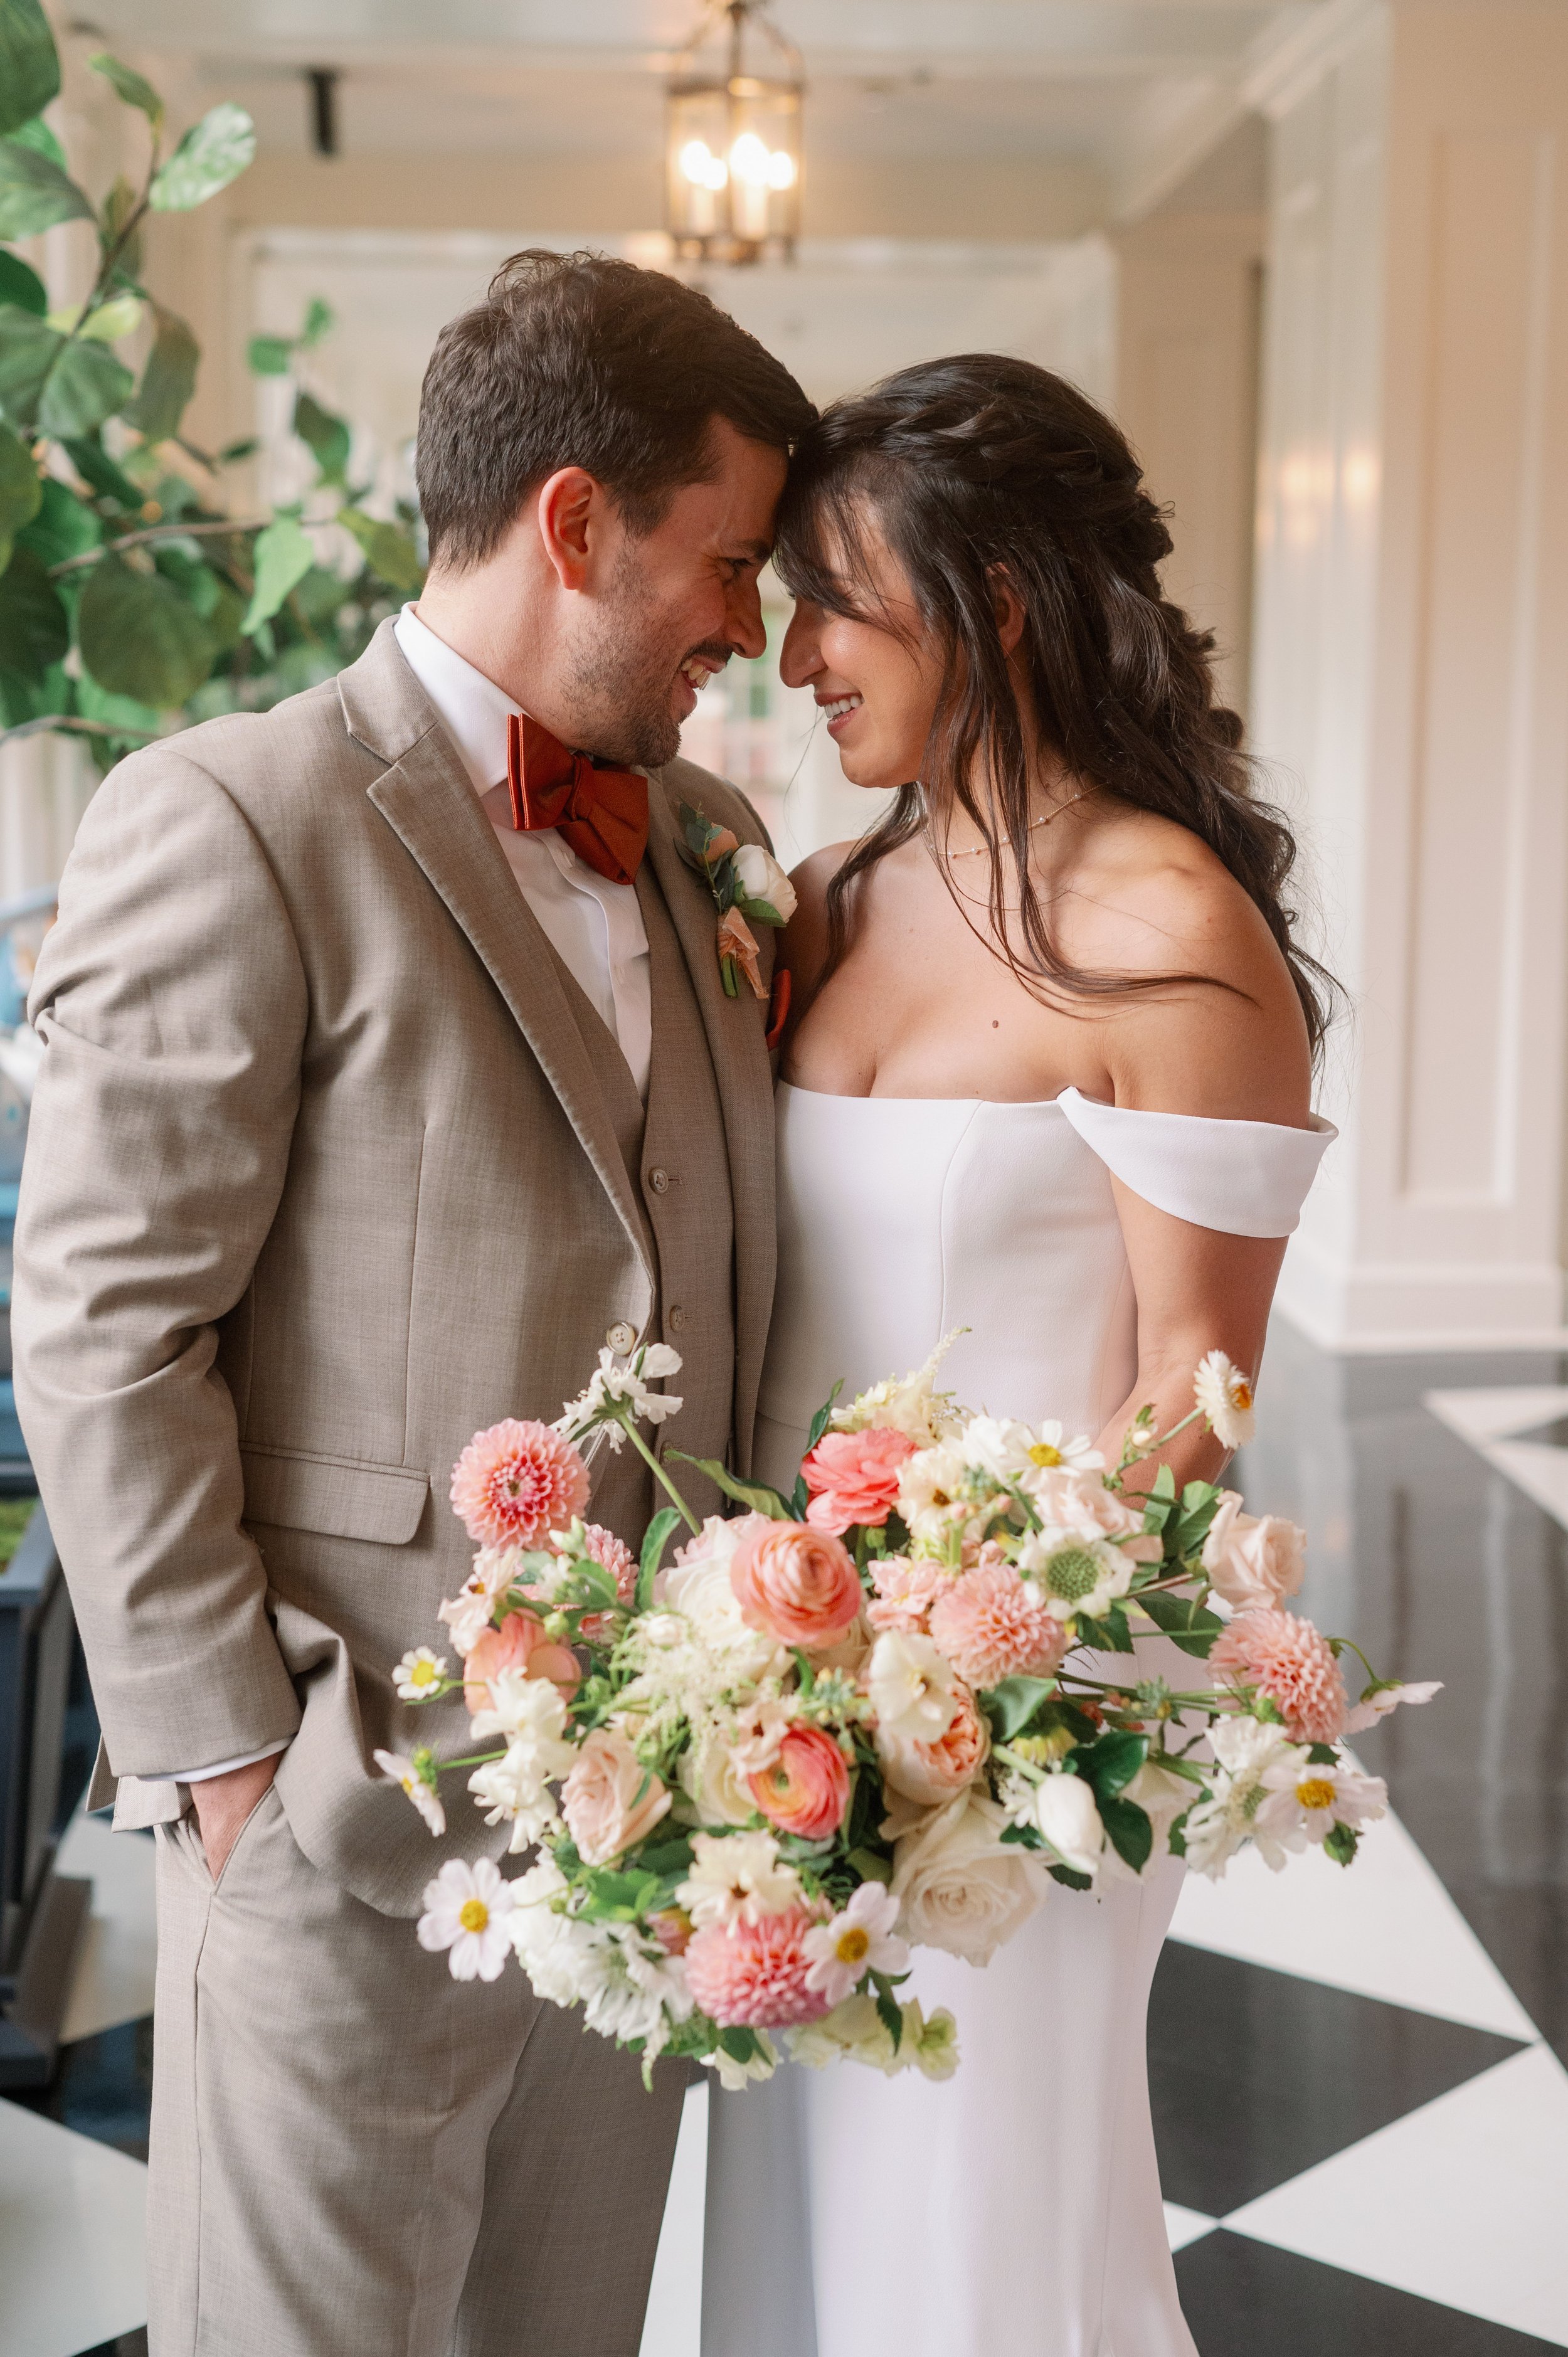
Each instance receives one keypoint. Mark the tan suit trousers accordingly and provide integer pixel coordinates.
(355, 2156)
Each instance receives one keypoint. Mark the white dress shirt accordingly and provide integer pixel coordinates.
(595, 927)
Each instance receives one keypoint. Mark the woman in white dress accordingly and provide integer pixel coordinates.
(1047, 1080)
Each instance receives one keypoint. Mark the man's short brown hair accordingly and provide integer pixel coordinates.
(579, 361)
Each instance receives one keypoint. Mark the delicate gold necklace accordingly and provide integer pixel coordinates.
(973, 850)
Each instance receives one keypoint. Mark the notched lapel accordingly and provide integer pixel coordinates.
(427, 801)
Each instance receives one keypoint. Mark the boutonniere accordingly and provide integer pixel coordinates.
(748, 885)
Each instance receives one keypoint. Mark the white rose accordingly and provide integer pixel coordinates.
(713, 1783)
(697, 1586)
(1252, 1559)
(959, 1887)
(911, 1687)
(761, 878)
(1067, 1816)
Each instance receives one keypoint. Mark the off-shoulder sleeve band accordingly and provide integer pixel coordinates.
(1240, 1178)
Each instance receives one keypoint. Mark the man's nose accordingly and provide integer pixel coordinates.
(747, 632)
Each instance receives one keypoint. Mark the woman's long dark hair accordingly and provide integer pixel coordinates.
(978, 468)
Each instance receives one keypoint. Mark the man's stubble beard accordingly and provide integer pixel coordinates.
(620, 686)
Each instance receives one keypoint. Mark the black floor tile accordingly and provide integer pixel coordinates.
(1239, 2296)
(1256, 2075)
(103, 2087)
(130, 2345)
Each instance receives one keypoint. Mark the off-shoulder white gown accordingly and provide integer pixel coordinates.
(1018, 2205)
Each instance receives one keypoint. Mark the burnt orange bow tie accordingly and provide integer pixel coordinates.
(602, 814)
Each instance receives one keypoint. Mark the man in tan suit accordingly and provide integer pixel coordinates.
(368, 1115)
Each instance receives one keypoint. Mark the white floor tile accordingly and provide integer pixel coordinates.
(1185, 2226)
(1384, 1927)
(118, 1958)
(674, 2324)
(1461, 2202)
(72, 2217)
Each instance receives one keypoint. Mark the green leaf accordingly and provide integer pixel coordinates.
(1072, 1879)
(129, 85)
(1175, 1836)
(35, 193)
(319, 320)
(890, 2015)
(1182, 1615)
(119, 206)
(1022, 1838)
(63, 527)
(94, 464)
(1012, 1704)
(283, 556)
(655, 1539)
(667, 1857)
(1131, 1832)
(138, 720)
(823, 1417)
(1111, 1763)
(213, 152)
(388, 550)
(740, 2045)
(167, 380)
(85, 385)
(269, 355)
(744, 1493)
(324, 435)
(121, 316)
(22, 287)
(33, 629)
(763, 911)
(1341, 1841)
(30, 63)
(869, 1867)
(21, 494)
(140, 637)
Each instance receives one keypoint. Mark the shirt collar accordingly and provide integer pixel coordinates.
(473, 710)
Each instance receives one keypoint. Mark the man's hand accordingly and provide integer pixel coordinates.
(223, 1804)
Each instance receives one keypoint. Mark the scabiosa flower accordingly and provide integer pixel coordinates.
(755, 1975)
(858, 1941)
(1225, 1396)
(465, 1912)
(418, 1675)
(854, 1478)
(1287, 1660)
(991, 1625)
(515, 1481)
(410, 1775)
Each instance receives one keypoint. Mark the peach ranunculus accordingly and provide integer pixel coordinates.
(796, 1583)
(610, 1801)
(520, 1643)
(854, 1478)
(932, 1772)
(1253, 1558)
(806, 1788)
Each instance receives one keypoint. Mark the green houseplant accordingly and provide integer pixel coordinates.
(131, 599)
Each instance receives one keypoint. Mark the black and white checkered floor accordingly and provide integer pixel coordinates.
(1364, 2142)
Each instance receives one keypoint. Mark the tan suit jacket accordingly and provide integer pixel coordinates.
(329, 1164)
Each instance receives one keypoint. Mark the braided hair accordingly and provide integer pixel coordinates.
(977, 467)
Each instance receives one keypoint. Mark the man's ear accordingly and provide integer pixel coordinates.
(571, 515)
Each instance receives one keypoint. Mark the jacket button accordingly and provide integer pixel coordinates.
(677, 1319)
(659, 1180)
(621, 1336)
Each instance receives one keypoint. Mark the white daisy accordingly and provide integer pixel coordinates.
(467, 1907)
(857, 1941)
(423, 1795)
(1225, 1396)
(418, 1675)
(1305, 1802)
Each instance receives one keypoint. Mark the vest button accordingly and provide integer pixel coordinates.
(677, 1319)
(659, 1180)
(621, 1336)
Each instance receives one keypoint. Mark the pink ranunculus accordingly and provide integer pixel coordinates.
(515, 1482)
(805, 1790)
(932, 1772)
(616, 1557)
(991, 1628)
(906, 1590)
(610, 1801)
(854, 1478)
(520, 1643)
(797, 1584)
(1290, 1661)
(753, 1975)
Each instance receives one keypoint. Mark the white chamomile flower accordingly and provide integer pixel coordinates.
(1306, 1801)
(736, 1878)
(418, 1675)
(1076, 1573)
(857, 1941)
(1225, 1396)
(423, 1795)
(466, 1911)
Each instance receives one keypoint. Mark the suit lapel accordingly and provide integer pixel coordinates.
(426, 797)
(735, 1030)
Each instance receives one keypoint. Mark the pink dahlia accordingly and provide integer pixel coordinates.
(989, 1628)
(1287, 1660)
(753, 1975)
(854, 1478)
(906, 1591)
(515, 1482)
(617, 1559)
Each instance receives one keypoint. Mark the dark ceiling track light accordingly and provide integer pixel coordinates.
(322, 82)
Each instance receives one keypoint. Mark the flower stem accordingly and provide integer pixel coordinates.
(644, 1451)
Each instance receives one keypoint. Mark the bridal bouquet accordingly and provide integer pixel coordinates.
(875, 1717)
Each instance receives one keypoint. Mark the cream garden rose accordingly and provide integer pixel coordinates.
(959, 1887)
(1253, 1558)
(610, 1799)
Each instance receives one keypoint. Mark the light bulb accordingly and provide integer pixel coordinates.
(750, 161)
(702, 166)
(780, 169)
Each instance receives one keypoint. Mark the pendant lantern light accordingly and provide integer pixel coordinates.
(733, 139)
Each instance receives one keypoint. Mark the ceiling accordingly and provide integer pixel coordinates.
(1138, 90)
